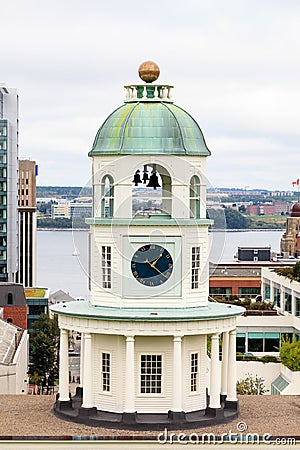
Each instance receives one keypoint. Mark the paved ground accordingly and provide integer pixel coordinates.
(32, 415)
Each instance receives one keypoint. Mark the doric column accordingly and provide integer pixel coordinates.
(225, 344)
(177, 374)
(215, 378)
(87, 399)
(129, 406)
(64, 366)
(81, 374)
(231, 392)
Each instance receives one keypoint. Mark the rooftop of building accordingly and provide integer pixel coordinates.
(36, 292)
(85, 309)
(32, 415)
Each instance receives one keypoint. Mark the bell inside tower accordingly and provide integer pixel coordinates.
(151, 190)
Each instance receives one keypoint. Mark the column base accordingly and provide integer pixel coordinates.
(129, 418)
(232, 404)
(86, 412)
(176, 416)
(63, 405)
(216, 413)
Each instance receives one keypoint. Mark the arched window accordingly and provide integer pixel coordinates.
(9, 298)
(107, 196)
(195, 197)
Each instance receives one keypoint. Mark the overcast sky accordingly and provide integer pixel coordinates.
(235, 65)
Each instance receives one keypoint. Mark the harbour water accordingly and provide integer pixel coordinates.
(62, 256)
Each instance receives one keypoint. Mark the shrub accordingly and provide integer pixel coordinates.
(290, 355)
(251, 385)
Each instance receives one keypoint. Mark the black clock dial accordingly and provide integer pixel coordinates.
(152, 265)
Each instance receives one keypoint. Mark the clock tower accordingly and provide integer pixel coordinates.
(146, 324)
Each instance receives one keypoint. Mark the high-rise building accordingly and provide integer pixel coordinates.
(8, 183)
(27, 222)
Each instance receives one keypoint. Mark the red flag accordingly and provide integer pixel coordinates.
(295, 182)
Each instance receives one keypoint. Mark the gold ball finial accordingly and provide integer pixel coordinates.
(149, 71)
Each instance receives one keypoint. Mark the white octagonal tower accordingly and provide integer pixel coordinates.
(144, 361)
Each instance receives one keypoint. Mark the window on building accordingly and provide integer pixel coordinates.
(195, 267)
(195, 197)
(105, 372)
(255, 342)
(151, 374)
(276, 293)
(288, 302)
(10, 298)
(194, 372)
(220, 291)
(107, 196)
(272, 342)
(249, 291)
(106, 267)
(297, 300)
(241, 342)
(266, 291)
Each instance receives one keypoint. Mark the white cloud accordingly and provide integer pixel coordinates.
(234, 65)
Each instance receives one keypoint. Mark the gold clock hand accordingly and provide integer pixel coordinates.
(153, 267)
(154, 262)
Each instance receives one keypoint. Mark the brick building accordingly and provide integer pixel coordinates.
(13, 302)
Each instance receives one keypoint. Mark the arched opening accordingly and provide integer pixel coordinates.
(107, 196)
(10, 298)
(195, 197)
(151, 191)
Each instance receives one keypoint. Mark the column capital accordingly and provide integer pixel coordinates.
(130, 338)
(177, 338)
(232, 332)
(215, 336)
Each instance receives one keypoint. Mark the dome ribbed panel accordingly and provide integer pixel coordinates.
(149, 128)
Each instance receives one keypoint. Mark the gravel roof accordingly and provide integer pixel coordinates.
(31, 415)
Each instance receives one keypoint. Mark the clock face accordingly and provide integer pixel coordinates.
(152, 265)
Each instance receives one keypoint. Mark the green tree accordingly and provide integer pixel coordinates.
(290, 354)
(44, 340)
(234, 219)
(296, 271)
(251, 385)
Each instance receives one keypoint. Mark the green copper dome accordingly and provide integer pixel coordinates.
(149, 128)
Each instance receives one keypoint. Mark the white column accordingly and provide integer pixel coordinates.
(81, 372)
(231, 392)
(215, 373)
(177, 374)
(129, 406)
(225, 342)
(87, 398)
(64, 366)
